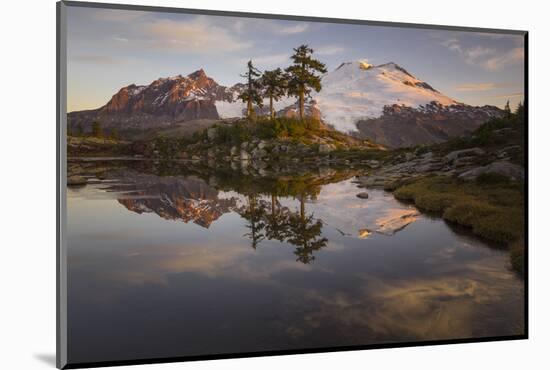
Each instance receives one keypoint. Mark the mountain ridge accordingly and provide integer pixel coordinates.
(357, 97)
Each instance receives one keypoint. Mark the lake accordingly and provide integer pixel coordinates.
(184, 262)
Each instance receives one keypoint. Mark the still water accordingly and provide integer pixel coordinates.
(195, 263)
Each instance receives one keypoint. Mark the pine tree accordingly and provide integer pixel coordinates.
(274, 83)
(252, 93)
(507, 110)
(302, 75)
(97, 130)
(520, 112)
(114, 134)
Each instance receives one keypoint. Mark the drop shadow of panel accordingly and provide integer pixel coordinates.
(47, 358)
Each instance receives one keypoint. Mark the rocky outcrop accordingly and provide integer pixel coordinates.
(402, 126)
(503, 168)
(466, 164)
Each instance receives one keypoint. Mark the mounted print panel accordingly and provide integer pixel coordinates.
(236, 185)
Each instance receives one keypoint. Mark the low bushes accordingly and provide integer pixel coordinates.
(492, 208)
(264, 128)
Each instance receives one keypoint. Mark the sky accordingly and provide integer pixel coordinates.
(108, 49)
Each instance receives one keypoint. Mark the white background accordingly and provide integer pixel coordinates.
(27, 196)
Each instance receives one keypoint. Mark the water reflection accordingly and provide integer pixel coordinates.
(194, 262)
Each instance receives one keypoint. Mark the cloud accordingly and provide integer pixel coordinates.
(511, 57)
(329, 50)
(511, 95)
(118, 16)
(488, 58)
(478, 86)
(196, 36)
(120, 39)
(294, 29)
(265, 60)
(96, 59)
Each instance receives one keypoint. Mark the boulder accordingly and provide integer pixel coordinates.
(212, 133)
(363, 195)
(262, 144)
(244, 155)
(234, 151)
(76, 180)
(259, 153)
(471, 152)
(373, 163)
(326, 148)
(504, 168)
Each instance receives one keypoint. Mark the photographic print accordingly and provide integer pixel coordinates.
(240, 184)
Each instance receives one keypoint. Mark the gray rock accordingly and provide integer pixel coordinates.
(259, 153)
(76, 180)
(428, 155)
(244, 145)
(464, 153)
(326, 148)
(373, 163)
(244, 155)
(504, 168)
(363, 195)
(212, 133)
(429, 167)
(262, 144)
(234, 151)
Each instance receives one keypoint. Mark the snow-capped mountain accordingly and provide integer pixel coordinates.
(385, 103)
(358, 90)
(161, 103)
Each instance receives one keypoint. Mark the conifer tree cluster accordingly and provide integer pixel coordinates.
(298, 80)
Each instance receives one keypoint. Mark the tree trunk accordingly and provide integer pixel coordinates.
(271, 111)
(273, 205)
(301, 102)
(249, 102)
(302, 207)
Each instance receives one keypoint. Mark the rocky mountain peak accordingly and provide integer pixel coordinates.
(198, 74)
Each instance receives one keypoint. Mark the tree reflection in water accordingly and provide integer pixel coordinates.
(279, 223)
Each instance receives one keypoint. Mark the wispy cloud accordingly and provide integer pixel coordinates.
(482, 86)
(329, 50)
(488, 58)
(511, 57)
(118, 16)
(96, 59)
(294, 29)
(268, 60)
(120, 39)
(511, 95)
(199, 35)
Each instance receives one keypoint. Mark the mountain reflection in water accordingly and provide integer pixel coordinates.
(192, 262)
